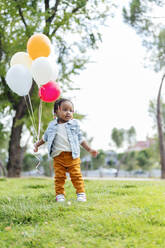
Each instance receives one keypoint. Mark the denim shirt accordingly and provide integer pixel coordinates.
(74, 136)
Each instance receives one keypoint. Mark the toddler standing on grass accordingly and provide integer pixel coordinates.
(64, 139)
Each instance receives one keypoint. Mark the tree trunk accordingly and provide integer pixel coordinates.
(15, 151)
(120, 163)
(160, 131)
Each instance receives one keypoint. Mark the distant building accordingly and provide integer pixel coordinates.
(141, 145)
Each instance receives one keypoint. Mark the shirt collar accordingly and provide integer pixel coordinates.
(68, 122)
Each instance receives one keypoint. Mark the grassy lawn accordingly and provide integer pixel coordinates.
(118, 214)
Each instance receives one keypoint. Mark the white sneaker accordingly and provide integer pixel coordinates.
(81, 197)
(60, 198)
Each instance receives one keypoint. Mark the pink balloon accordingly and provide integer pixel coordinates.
(49, 92)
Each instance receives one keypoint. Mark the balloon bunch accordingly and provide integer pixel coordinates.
(35, 64)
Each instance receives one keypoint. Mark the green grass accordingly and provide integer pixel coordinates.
(118, 214)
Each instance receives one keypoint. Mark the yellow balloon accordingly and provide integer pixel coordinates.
(38, 45)
(22, 58)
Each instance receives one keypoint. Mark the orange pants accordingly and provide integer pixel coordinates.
(65, 163)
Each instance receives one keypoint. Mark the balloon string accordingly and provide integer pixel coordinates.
(38, 163)
(39, 119)
(32, 112)
(36, 135)
(34, 130)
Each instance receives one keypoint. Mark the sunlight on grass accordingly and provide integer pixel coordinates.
(118, 214)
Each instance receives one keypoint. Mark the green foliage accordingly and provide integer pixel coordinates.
(118, 136)
(153, 111)
(135, 12)
(83, 152)
(99, 161)
(4, 137)
(130, 161)
(28, 162)
(47, 166)
(73, 28)
(144, 158)
(131, 135)
(121, 214)
(141, 15)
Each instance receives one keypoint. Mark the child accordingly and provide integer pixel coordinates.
(64, 139)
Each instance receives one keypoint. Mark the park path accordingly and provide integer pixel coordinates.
(122, 178)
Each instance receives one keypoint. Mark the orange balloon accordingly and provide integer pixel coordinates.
(38, 45)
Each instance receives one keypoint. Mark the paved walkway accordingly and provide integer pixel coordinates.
(122, 178)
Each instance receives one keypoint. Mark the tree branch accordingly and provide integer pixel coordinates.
(54, 31)
(79, 7)
(50, 19)
(46, 4)
(73, 12)
(22, 17)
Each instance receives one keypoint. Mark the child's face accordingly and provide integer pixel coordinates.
(65, 112)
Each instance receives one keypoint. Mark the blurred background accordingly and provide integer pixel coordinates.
(109, 59)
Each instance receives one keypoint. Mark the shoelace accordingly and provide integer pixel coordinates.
(81, 194)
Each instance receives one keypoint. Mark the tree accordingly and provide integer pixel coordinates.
(138, 15)
(130, 161)
(144, 159)
(72, 26)
(128, 158)
(119, 136)
(131, 135)
(153, 112)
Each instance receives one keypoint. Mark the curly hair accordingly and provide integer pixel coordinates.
(58, 103)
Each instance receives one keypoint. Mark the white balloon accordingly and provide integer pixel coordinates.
(22, 58)
(19, 79)
(55, 73)
(52, 59)
(42, 70)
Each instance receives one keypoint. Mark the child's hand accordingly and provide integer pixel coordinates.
(35, 148)
(94, 153)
